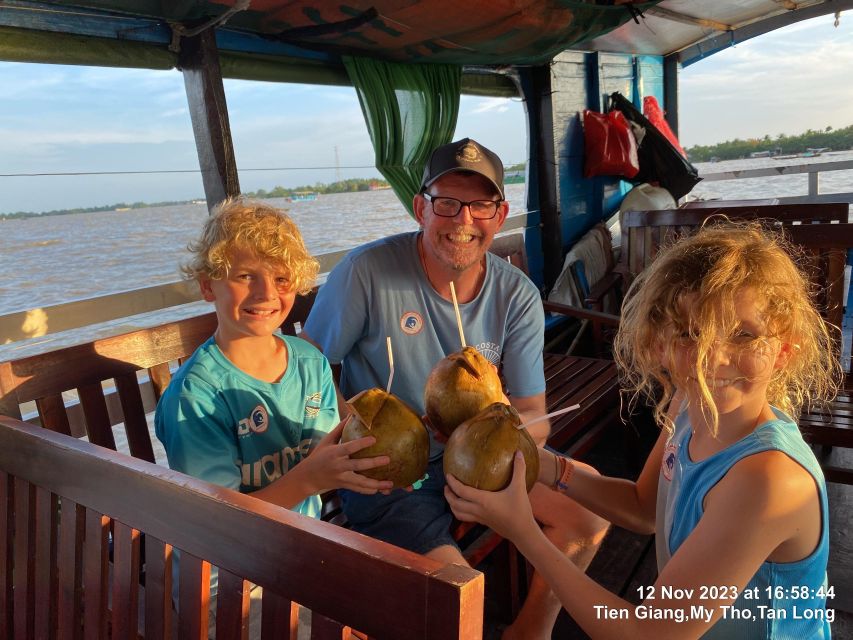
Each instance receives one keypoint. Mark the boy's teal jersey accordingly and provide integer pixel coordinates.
(222, 425)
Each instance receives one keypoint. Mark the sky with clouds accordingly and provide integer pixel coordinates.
(85, 119)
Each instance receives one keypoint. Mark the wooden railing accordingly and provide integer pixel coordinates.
(813, 171)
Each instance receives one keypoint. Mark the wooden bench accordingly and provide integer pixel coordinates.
(825, 247)
(67, 506)
(645, 232)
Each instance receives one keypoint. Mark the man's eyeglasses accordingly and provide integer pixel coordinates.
(450, 207)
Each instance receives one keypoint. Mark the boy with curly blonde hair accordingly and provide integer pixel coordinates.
(250, 405)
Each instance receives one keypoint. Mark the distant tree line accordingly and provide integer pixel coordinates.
(120, 206)
(835, 139)
(342, 186)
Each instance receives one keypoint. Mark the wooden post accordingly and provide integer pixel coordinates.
(670, 91)
(535, 84)
(199, 62)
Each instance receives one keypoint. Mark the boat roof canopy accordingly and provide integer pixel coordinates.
(303, 40)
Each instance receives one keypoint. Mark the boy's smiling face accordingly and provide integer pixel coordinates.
(252, 300)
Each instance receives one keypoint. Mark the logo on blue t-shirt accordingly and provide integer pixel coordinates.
(260, 419)
(411, 322)
(257, 422)
(313, 404)
(668, 463)
(491, 352)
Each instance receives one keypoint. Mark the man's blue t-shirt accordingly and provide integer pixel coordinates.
(222, 425)
(380, 289)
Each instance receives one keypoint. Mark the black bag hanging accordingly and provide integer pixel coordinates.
(660, 162)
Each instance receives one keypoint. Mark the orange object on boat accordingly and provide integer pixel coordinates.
(654, 114)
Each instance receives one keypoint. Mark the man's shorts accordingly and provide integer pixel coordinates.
(418, 520)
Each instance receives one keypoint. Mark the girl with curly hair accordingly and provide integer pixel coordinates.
(721, 333)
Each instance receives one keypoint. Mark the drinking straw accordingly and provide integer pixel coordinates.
(390, 364)
(458, 317)
(558, 412)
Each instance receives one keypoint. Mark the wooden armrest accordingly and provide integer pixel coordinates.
(597, 291)
(596, 317)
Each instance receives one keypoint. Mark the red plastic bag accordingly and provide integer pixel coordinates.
(609, 145)
(654, 114)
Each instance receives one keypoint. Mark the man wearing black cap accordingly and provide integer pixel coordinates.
(399, 286)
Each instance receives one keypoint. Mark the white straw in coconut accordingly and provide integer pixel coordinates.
(559, 412)
(458, 317)
(390, 364)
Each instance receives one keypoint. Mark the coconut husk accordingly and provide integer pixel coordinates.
(399, 432)
(480, 451)
(459, 387)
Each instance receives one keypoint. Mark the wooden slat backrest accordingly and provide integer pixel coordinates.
(73, 367)
(86, 367)
(47, 514)
(69, 575)
(95, 571)
(825, 249)
(644, 232)
(7, 562)
(23, 545)
(125, 583)
(232, 606)
(380, 589)
(158, 587)
(824, 256)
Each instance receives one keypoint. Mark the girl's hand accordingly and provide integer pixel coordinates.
(508, 512)
(329, 465)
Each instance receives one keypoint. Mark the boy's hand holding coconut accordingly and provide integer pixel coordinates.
(335, 463)
(399, 434)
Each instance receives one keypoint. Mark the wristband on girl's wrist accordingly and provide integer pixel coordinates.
(565, 469)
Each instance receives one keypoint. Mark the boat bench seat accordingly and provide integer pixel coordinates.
(643, 233)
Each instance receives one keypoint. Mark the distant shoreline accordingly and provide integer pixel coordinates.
(350, 185)
(121, 207)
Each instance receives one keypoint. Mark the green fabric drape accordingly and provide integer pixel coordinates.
(410, 109)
